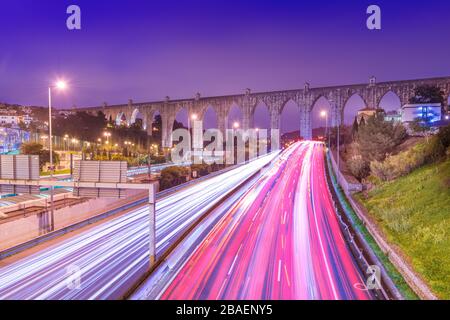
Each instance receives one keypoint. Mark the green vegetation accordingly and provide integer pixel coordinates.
(63, 171)
(373, 140)
(395, 166)
(173, 176)
(140, 160)
(428, 94)
(414, 213)
(34, 148)
(376, 138)
(396, 277)
(201, 169)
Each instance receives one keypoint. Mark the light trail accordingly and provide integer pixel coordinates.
(281, 240)
(113, 255)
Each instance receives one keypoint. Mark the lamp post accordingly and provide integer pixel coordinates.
(60, 85)
(324, 114)
(107, 135)
(65, 142)
(338, 155)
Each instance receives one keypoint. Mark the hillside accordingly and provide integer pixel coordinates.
(413, 211)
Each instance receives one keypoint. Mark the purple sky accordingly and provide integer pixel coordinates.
(146, 50)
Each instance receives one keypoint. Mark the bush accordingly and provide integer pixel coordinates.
(405, 162)
(202, 169)
(158, 159)
(383, 170)
(398, 219)
(34, 148)
(376, 138)
(358, 167)
(172, 176)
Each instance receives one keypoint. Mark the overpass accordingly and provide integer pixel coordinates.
(305, 99)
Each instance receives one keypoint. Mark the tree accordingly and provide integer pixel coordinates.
(358, 167)
(355, 128)
(428, 94)
(82, 125)
(172, 176)
(34, 148)
(376, 138)
(419, 125)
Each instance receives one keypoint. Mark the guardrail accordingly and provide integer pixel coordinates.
(186, 232)
(415, 283)
(32, 203)
(345, 185)
(358, 245)
(134, 203)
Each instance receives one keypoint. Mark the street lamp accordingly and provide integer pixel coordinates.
(236, 125)
(61, 86)
(324, 114)
(66, 136)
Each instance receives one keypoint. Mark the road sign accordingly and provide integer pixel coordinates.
(100, 172)
(19, 167)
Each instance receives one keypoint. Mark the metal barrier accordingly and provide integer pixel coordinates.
(49, 236)
(355, 239)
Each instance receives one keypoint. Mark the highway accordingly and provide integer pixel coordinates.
(112, 256)
(280, 240)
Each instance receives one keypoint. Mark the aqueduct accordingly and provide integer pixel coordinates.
(305, 98)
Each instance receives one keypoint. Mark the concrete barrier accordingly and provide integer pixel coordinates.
(348, 187)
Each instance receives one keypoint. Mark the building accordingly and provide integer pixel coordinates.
(393, 116)
(26, 119)
(6, 119)
(427, 112)
(13, 118)
(366, 113)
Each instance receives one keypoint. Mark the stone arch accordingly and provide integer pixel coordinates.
(319, 105)
(315, 99)
(352, 95)
(109, 115)
(261, 115)
(389, 100)
(352, 105)
(209, 117)
(447, 100)
(137, 115)
(289, 116)
(154, 127)
(181, 115)
(287, 101)
(121, 118)
(235, 114)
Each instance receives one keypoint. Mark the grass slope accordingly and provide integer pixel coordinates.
(414, 213)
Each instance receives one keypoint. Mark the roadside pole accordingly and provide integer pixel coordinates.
(152, 224)
(50, 147)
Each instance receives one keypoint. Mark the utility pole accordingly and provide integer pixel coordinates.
(152, 223)
(50, 147)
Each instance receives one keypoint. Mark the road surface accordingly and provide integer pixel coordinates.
(280, 241)
(110, 257)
